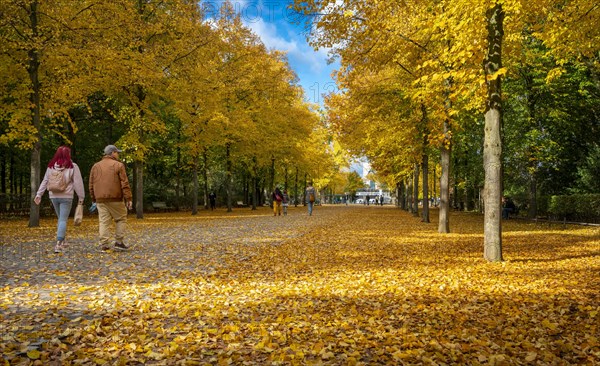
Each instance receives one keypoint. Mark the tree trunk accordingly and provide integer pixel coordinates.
(3, 175)
(205, 178)
(178, 178)
(434, 185)
(304, 191)
(532, 212)
(246, 187)
(255, 192)
(455, 199)
(229, 178)
(492, 147)
(296, 190)
(139, 189)
(425, 165)
(416, 191)
(254, 183)
(272, 187)
(425, 215)
(445, 152)
(196, 188)
(409, 195)
(35, 164)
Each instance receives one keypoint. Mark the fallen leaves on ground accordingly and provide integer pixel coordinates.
(347, 286)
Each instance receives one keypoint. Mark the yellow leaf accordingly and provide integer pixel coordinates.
(327, 355)
(546, 323)
(34, 354)
(531, 356)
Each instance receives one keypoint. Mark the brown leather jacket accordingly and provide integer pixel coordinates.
(108, 181)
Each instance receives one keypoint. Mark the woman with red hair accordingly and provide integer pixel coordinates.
(62, 178)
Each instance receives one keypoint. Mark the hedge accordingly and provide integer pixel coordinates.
(577, 207)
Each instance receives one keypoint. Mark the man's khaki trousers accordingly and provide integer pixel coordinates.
(108, 211)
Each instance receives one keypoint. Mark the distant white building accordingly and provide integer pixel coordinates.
(363, 168)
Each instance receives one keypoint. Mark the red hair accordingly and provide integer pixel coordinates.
(62, 158)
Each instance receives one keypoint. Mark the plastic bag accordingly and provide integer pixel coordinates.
(78, 215)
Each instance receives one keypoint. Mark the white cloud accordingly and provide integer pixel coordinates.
(296, 47)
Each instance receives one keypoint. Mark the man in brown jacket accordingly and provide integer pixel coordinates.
(109, 188)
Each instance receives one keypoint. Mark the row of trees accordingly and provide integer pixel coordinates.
(188, 99)
(492, 88)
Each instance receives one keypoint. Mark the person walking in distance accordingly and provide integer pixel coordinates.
(277, 197)
(212, 198)
(109, 189)
(311, 195)
(62, 178)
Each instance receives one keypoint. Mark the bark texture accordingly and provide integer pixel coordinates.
(492, 147)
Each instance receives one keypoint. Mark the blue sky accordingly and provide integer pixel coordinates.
(276, 25)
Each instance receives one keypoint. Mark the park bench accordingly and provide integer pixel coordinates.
(161, 206)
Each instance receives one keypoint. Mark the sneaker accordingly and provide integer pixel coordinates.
(121, 246)
(104, 248)
(58, 248)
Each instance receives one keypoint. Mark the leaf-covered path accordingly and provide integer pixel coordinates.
(349, 285)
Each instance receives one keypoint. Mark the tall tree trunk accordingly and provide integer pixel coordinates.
(196, 188)
(492, 147)
(255, 192)
(434, 185)
(455, 199)
(296, 190)
(178, 178)
(409, 195)
(416, 190)
(139, 189)
(445, 156)
(425, 215)
(34, 98)
(444, 218)
(205, 177)
(304, 190)
(3, 175)
(532, 212)
(425, 164)
(229, 178)
(246, 189)
(402, 195)
(272, 187)
(22, 183)
(254, 183)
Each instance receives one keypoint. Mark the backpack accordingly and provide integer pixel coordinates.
(311, 197)
(57, 182)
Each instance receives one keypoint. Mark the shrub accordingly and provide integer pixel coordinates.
(578, 207)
